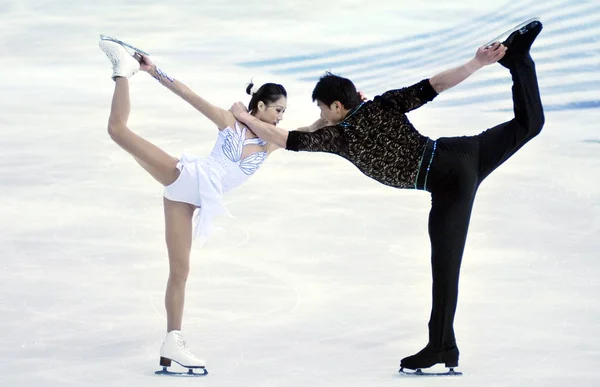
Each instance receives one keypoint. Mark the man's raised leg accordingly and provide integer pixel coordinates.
(501, 142)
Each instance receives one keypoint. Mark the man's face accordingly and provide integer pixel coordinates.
(332, 114)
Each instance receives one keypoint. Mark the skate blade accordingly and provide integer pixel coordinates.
(420, 373)
(189, 373)
(503, 36)
(132, 50)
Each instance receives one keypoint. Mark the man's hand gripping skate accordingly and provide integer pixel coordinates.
(487, 55)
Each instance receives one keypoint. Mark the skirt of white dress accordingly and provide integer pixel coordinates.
(199, 184)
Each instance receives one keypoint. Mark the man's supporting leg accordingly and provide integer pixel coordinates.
(460, 173)
(448, 226)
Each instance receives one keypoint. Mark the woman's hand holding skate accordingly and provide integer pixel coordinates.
(145, 64)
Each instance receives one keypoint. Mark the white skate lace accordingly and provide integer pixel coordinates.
(112, 58)
(182, 345)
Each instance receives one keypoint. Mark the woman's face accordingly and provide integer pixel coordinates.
(272, 112)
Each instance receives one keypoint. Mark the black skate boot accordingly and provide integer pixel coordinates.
(428, 357)
(519, 43)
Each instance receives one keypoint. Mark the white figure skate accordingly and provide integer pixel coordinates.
(131, 49)
(124, 63)
(174, 349)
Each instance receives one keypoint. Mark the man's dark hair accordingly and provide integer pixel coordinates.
(332, 88)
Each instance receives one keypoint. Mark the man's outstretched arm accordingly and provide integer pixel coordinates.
(413, 97)
(484, 56)
(313, 138)
(269, 133)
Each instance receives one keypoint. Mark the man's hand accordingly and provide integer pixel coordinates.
(268, 132)
(487, 55)
(238, 109)
(362, 96)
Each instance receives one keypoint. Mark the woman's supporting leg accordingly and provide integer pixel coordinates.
(178, 234)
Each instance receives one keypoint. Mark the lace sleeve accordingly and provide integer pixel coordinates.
(329, 139)
(409, 98)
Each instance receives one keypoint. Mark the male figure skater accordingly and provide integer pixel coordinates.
(378, 138)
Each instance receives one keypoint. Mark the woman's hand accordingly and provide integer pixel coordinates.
(145, 62)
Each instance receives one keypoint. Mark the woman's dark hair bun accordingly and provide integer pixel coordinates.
(249, 88)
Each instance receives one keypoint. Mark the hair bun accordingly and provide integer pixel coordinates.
(249, 88)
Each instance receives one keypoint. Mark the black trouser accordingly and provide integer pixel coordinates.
(459, 165)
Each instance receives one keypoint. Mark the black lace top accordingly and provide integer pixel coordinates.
(376, 136)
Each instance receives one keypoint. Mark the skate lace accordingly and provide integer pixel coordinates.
(113, 58)
(183, 345)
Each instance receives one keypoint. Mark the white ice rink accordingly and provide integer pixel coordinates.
(323, 278)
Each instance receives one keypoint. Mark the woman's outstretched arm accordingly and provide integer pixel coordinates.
(220, 117)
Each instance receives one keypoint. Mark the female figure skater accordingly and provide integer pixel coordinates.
(190, 183)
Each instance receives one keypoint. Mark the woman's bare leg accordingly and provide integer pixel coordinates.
(178, 216)
(178, 232)
(154, 160)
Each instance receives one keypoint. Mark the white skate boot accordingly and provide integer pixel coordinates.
(124, 64)
(174, 349)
